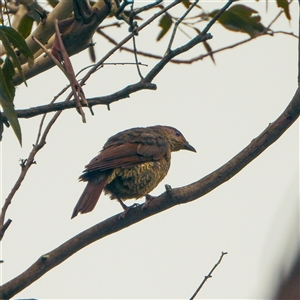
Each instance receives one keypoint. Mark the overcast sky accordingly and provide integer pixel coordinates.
(220, 109)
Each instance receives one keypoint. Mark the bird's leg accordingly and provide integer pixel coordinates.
(126, 208)
(149, 198)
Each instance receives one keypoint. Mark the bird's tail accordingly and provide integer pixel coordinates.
(89, 197)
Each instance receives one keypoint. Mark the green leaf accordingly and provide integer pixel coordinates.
(240, 18)
(285, 5)
(25, 26)
(165, 23)
(186, 3)
(242, 10)
(17, 40)
(6, 101)
(206, 46)
(7, 37)
(208, 49)
(11, 53)
(8, 73)
(53, 3)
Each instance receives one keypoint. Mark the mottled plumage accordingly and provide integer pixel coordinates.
(130, 165)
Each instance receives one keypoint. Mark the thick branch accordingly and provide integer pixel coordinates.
(165, 201)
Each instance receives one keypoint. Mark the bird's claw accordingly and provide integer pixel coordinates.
(127, 209)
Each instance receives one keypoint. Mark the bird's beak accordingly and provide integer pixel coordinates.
(189, 147)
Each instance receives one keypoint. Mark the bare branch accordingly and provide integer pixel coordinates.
(124, 93)
(25, 165)
(277, 16)
(177, 24)
(136, 58)
(126, 39)
(133, 27)
(217, 16)
(208, 276)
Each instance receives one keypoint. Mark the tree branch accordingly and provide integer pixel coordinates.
(76, 35)
(208, 276)
(124, 93)
(165, 201)
(46, 28)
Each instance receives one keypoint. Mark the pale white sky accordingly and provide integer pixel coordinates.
(220, 109)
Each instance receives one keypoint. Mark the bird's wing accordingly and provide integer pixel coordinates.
(126, 155)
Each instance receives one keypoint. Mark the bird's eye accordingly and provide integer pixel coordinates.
(177, 133)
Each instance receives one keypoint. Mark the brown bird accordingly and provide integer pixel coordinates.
(130, 165)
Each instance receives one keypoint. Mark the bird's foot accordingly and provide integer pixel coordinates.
(149, 198)
(127, 209)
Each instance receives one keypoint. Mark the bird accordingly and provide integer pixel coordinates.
(130, 165)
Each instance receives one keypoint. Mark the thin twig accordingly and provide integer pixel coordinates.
(207, 276)
(40, 142)
(134, 26)
(24, 169)
(196, 58)
(286, 33)
(277, 16)
(147, 7)
(217, 16)
(136, 58)
(115, 24)
(177, 24)
(126, 39)
(274, 20)
(27, 163)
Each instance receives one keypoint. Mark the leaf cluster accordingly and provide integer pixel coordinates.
(14, 44)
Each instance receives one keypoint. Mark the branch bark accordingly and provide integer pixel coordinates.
(165, 201)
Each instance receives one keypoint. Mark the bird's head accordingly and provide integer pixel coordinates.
(176, 139)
